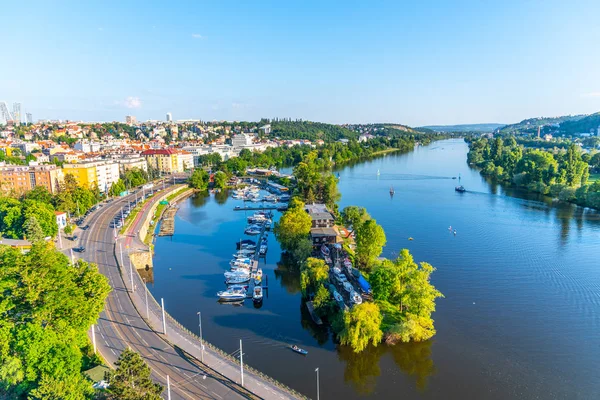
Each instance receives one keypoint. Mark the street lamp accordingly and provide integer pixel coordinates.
(201, 341)
(317, 371)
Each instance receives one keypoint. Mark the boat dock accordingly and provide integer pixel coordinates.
(167, 226)
(257, 208)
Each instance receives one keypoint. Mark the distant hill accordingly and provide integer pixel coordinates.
(588, 124)
(530, 126)
(484, 128)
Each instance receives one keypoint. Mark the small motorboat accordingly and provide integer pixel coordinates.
(258, 274)
(355, 297)
(246, 244)
(236, 280)
(325, 250)
(236, 274)
(263, 249)
(337, 296)
(348, 287)
(460, 189)
(233, 293)
(252, 231)
(392, 191)
(257, 295)
(298, 350)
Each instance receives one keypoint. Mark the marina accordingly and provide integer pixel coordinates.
(492, 259)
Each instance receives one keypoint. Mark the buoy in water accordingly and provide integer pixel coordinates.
(410, 238)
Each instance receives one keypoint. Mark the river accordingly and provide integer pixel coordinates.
(521, 279)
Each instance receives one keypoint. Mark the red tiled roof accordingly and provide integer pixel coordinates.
(165, 152)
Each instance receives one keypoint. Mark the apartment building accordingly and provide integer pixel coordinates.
(125, 164)
(100, 173)
(169, 161)
(22, 179)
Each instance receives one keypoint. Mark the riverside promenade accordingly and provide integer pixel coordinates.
(250, 383)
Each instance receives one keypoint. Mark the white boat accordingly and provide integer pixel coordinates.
(233, 293)
(337, 296)
(248, 246)
(239, 273)
(236, 280)
(263, 249)
(325, 250)
(252, 231)
(348, 287)
(244, 254)
(341, 278)
(258, 274)
(337, 271)
(239, 261)
(355, 297)
(241, 264)
(257, 295)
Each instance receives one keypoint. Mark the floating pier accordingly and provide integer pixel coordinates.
(167, 227)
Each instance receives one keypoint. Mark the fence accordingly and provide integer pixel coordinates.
(181, 337)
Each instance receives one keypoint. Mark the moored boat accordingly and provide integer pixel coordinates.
(355, 297)
(233, 293)
(257, 295)
(460, 189)
(348, 287)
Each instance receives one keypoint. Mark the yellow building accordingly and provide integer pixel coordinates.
(85, 174)
(169, 160)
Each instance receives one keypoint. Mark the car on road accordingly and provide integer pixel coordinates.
(74, 237)
(79, 249)
(85, 228)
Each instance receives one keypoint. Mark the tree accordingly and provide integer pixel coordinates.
(47, 306)
(44, 214)
(361, 327)
(370, 239)
(39, 193)
(293, 226)
(33, 230)
(314, 273)
(199, 179)
(354, 216)
(117, 188)
(131, 380)
(220, 179)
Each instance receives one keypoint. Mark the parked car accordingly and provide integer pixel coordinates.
(74, 237)
(80, 249)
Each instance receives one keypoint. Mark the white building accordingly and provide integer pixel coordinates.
(169, 117)
(266, 129)
(125, 164)
(87, 147)
(241, 139)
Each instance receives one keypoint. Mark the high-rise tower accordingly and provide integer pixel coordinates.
(17, 113)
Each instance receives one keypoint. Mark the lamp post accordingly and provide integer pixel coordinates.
(317, 371)
(201, 341)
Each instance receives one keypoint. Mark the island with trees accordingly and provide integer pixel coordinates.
(403, 298)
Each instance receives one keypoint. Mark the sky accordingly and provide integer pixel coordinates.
(410, 62)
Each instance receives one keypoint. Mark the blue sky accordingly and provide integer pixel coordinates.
(412, 62)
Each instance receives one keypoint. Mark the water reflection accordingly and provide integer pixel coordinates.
(221, 196)
(320, 333)
(363, 369)
(200, 199)
(288, 275)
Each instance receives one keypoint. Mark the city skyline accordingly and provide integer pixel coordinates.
(439, 63)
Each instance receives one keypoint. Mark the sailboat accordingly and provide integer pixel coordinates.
(392, 191)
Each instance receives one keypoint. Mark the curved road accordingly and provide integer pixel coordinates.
(120, 325)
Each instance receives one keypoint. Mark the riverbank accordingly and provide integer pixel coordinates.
(562, 176)
(178, 336)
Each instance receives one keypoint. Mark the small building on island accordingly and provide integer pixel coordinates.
(323, 228)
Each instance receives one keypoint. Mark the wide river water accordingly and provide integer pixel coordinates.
(521, 279)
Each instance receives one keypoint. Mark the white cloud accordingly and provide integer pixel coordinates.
(591, 94)
(198, 36)
(130, 102)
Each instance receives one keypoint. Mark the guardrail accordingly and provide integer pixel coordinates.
(180, 336)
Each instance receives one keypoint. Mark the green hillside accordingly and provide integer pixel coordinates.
(584, 125)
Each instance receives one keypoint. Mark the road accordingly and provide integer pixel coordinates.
(120, 325)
